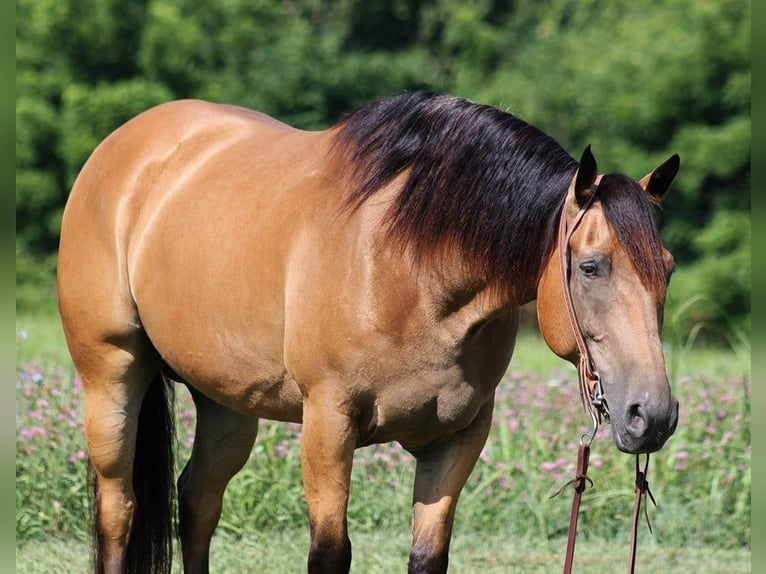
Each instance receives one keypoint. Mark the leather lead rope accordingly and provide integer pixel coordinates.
(579, 484)
(642, 491)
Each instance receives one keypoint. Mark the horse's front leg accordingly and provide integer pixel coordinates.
(440, 476)
(327, 450)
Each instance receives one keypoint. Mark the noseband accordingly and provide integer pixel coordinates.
(591, 391)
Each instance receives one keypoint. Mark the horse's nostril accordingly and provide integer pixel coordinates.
(636, 422)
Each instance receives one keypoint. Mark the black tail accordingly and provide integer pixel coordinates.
(151, 541)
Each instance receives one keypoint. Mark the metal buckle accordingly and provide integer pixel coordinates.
(597, 394)
(598, 399)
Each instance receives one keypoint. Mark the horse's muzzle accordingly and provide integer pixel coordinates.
(646, 428)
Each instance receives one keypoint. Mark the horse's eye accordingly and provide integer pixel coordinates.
(589, 269)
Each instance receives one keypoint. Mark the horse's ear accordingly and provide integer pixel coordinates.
(657, 182)
(581, 188)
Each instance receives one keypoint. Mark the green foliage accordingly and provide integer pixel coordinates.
(89, 112)
(34, 286)
(710, 297)
(638, 81)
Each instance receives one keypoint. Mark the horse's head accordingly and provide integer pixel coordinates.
(618, 272)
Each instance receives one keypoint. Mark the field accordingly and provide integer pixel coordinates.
(505, 520)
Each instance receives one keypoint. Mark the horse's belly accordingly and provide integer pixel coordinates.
(277, 398)
(235, 359)
(416, 415)
(252, 386)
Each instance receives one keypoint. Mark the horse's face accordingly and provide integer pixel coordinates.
(621, 320)
(619, 310)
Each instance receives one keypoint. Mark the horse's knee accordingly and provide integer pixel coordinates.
(428, 559)
(329, 555)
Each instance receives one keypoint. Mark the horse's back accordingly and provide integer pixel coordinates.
(172, 149)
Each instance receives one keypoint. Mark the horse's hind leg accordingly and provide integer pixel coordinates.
(114, 384)
(440, 476)
(222, 443)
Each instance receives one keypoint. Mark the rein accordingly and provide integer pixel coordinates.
(594, 403)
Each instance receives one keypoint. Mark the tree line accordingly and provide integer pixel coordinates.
(636, 80)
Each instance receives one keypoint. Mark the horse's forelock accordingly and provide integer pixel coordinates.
(629, 211)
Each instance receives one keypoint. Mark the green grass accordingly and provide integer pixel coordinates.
(505, 520)
(40, 340)
(376, 553)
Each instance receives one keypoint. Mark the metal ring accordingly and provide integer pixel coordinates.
(594, 430)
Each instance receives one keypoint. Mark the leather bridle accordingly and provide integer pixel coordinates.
(593, 400)
(591, 392)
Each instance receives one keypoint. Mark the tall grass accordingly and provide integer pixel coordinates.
(701, 479)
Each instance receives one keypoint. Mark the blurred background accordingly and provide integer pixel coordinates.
(636, 80)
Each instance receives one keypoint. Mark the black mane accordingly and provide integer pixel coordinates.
(475, 177)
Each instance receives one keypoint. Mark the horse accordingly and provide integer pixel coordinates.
(364, 280)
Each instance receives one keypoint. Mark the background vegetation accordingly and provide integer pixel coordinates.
(638, 80)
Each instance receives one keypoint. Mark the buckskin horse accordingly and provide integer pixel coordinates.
(364, 281)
